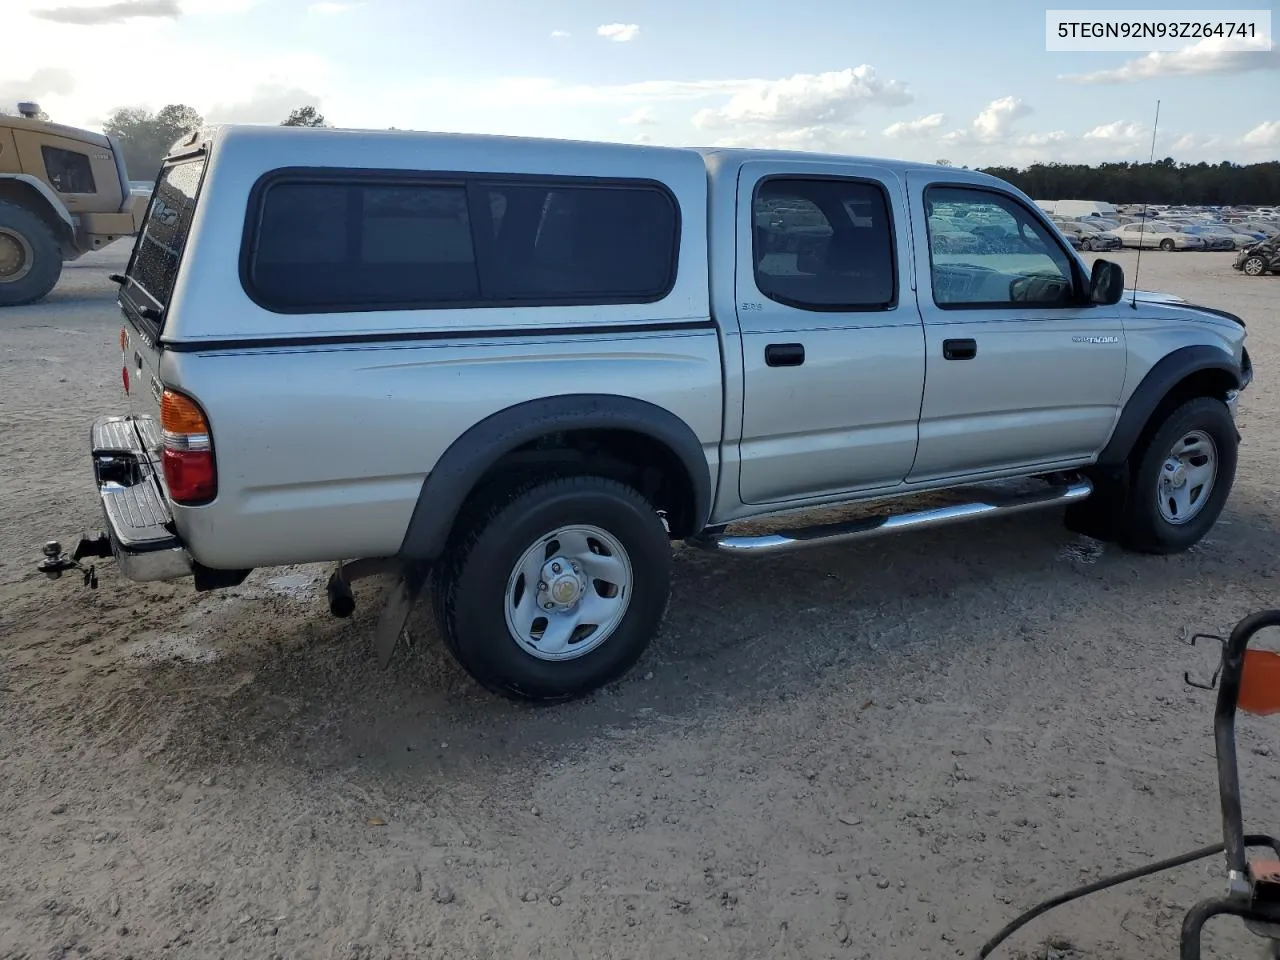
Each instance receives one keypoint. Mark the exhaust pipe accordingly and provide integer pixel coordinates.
(341, 601)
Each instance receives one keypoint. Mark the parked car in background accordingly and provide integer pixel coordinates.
(1263, 227)
(1253, 236)
(1261, 258)
(946, 237)
(1217, 237)
(1150, 236)
(1093, 237)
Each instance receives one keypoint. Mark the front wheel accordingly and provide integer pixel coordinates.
(1087, 245)
(1181, 478)
(556, 589)
(30, 259)
(1167, 245)
(1255, 267)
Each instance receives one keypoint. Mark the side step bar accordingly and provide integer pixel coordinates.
(986, 503)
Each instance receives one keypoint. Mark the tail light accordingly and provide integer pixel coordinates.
(189, 469)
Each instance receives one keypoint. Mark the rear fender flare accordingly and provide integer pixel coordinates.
(1155, 386)
(469, 457)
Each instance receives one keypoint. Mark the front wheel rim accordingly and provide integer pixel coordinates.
(568, 592)
(1187, 477)
(1253, 267)
(16, 257)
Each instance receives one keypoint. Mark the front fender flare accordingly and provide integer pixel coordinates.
(1167, 373)
(46, 193)
(468, 458)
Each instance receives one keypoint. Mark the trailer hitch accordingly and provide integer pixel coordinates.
(55, 562)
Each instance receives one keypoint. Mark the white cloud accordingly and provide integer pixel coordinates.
(1118, 131)
(328, 8)
(1202, 58)
(1043, 139)
(920, 127)
(640, 117)
(822, 139)
(86, 15)
(618, 32)
(1265, 134)
(38, 85)
(805, 100)
(268, 103)
(559, 34)
(993, 124)
(995, 121)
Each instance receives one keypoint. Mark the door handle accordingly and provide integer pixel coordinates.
(784, 354)
(959, 349)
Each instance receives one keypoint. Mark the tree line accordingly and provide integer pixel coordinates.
(146, 137)
(1164, 181)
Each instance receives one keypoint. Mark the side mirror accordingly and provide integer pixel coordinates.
(1106, 285)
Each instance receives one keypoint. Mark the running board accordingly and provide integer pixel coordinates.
(991, 503)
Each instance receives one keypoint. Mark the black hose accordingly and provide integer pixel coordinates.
(1094, 887)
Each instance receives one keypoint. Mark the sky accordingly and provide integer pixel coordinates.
(969, 82)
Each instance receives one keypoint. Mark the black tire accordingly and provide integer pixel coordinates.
(40, 245)
(471, 583)
(1142, 527)
(1254, 266)
(1087, 245)
(1167, 245)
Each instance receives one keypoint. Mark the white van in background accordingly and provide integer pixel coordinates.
(1078, 209)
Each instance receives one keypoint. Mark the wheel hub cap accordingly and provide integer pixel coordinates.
(561, 584)
(568, 592)
(14, 257)
(1175, 474)
(1187, 477)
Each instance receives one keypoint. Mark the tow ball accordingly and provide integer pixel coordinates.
(56, 563)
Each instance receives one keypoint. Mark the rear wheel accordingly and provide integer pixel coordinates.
(1255, 266)
(556, 588)
(30, 260)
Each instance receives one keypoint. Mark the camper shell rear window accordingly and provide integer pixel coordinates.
(153, 266)
(326, 241)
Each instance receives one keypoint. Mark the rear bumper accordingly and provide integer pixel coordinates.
(143, 537)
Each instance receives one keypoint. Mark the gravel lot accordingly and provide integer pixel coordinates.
(881, 751)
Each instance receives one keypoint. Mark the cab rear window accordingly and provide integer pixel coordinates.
(323, 242)
(153, 268)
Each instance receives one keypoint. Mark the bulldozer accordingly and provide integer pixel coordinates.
(63, 193)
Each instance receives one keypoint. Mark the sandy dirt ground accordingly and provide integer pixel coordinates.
(873, 752)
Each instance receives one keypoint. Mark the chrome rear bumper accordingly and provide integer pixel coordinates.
(143, 538)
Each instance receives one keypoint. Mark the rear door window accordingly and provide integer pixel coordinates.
(824, 244)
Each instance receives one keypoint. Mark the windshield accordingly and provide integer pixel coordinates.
(153, 268)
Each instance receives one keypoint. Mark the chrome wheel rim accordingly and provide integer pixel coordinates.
(1253, 266)
(568, 592)
(16, 257)
(1187, 477)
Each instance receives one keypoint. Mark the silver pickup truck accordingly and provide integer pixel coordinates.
(510, 372)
